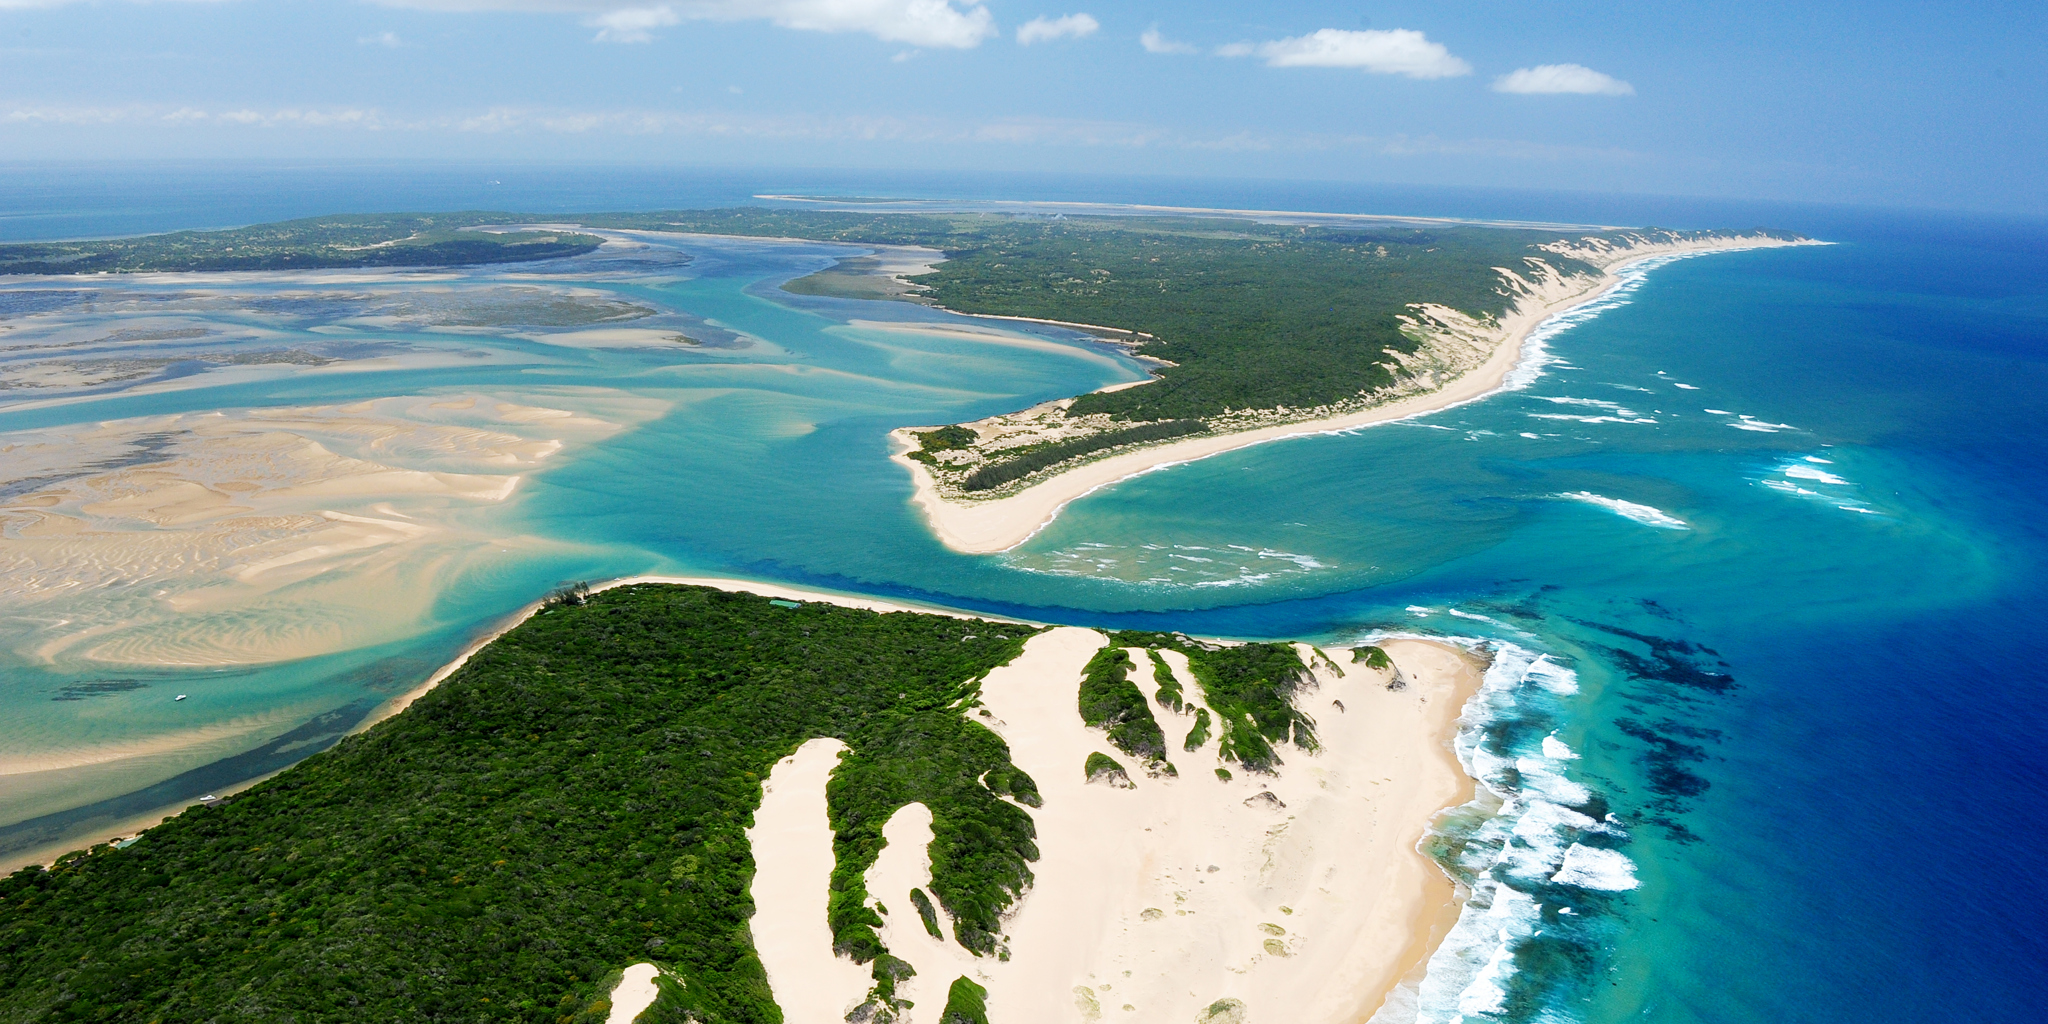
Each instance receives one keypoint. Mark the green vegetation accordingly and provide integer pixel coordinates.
(1223, 774)
(343, 241)
(569, 802)
(966, 1003)
(1242, 315)
(1168, 692)
(944, 439)
(1252, 316)
(1012, 782)
(1101, 767)
(1250, 686)
(1372, 656)
(1200, 733)
(1111, 702)
(926, 912)
(1032, 458)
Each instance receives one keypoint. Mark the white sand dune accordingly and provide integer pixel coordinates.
(792, 844)
(906, 864)
(1301, 896)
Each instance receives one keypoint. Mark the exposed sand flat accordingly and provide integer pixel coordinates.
(250, 536)
(634, 993)
(792, 845)
(1484, 351)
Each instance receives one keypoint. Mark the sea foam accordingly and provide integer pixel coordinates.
(1518, 847)
(1644, 514)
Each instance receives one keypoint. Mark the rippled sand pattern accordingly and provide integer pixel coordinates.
(229, 538)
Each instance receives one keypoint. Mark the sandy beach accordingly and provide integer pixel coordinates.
(984, 527)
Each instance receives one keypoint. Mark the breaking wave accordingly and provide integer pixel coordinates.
(1536, 850)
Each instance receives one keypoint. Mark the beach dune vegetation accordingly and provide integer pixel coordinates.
(1028, 460)
(1111, 702)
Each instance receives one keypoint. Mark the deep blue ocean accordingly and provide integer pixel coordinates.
(1760, 547)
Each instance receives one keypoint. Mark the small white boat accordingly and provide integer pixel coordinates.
(179, 697)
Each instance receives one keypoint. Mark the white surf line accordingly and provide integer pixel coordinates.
(792, 847)
(1647, 515)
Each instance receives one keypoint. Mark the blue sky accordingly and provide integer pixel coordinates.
(1937, 105)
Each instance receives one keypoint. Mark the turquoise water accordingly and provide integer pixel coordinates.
(1773, 669)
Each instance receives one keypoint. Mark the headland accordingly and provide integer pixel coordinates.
(1462, 358)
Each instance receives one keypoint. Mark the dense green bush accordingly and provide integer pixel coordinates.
(1111, 702)
(569, 802)
(966, 1003)
(346, 240)
(1168, 693)
(1252, 689)
(1249, 315)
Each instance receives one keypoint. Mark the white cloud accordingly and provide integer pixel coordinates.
(934, 23)
(1562, 78)
(389, 39)
(1041, 29)
(1153, 42)
(632, 24)
(1390, 52)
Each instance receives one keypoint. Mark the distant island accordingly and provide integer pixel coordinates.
(315, 243)
(672, 801)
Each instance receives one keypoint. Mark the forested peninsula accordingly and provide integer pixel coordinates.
(571, 802)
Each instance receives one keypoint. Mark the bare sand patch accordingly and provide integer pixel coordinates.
(905, 864)
(792, 845)
(634, 993)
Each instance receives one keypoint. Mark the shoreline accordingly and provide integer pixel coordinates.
(1437, 910)
(998, 525)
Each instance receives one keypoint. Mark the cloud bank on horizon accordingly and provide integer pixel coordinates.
(1751, 100)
